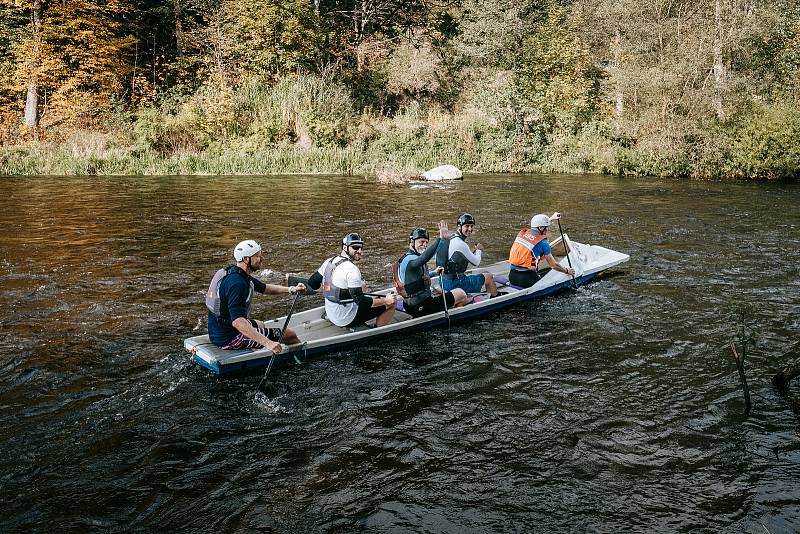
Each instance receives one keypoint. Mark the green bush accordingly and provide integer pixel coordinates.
(168, 134)
(767, 144)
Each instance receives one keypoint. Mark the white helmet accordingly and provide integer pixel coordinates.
(540, 220)
(246, 249)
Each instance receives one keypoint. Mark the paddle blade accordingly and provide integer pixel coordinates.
(292, 280)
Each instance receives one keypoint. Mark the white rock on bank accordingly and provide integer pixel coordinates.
(443, 173)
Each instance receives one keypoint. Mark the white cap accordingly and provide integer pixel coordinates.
(540, 220)
(246, 249)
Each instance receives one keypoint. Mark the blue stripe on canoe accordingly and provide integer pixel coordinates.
(260, 363)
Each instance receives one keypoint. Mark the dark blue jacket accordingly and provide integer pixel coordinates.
(233, 291)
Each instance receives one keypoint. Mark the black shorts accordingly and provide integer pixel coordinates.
(523, 278)
(430, 305)
(366, 312)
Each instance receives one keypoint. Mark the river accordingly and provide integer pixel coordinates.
(616, 407)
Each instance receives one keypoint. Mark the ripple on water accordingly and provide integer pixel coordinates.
(612, 408)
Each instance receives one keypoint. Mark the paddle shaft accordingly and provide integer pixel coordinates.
(365, 294)
(444, 301)
(283, 333)
(566, 251)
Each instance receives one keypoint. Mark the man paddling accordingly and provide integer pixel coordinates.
(345, 302)
(458, 257)
(412, 280)
(229, 300)
(529, 247)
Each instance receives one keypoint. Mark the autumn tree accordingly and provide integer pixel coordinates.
(71, 60)
(12, 30)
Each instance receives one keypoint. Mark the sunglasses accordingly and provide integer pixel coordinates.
(356, 247)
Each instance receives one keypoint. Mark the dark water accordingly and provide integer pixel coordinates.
(613, 408)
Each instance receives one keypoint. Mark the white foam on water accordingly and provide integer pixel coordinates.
(267, 405)
(263, 273)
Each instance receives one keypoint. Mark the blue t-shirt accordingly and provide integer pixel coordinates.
(542, 248)
(233, 292)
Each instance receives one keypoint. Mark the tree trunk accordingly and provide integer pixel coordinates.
(360, 23)
(616, 54)
(719, 66)
(32, 99)
(178, 28)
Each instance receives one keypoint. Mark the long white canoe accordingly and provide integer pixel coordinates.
(318, 335)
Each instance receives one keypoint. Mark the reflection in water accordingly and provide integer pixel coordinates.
(614, 407)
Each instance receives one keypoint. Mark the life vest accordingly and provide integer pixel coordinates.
(213, 300)
(521, 254)
(333, 293)
(414, 288)
(399, 287)
(455, 268)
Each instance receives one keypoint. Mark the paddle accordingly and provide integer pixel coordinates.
(566, 251)
(292, 280)
(444, 300)
(280, 340)
(443, 235)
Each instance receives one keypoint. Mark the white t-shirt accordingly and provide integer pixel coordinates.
(345, 275)
(459, 245)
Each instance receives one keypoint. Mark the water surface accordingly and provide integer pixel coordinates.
(616, 407)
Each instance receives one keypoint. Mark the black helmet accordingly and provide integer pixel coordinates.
(465, 218)
(419, 233)
(352, 239)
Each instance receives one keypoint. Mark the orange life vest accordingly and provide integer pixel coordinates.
(522, 250)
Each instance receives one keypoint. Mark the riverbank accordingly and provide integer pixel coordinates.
(750, 153)
(305, 126)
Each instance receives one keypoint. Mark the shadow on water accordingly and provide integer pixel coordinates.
(609, 408)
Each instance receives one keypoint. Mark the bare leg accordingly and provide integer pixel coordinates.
(386, 317)
(491, 287)
(460, 297)
(290, 337)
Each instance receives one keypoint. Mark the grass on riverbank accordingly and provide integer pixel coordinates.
(306, 126)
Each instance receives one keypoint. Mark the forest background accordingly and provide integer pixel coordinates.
(692, 88)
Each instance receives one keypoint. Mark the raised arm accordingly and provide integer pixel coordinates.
(426, 256)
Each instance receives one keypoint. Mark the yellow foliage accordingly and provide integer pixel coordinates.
(78, 60)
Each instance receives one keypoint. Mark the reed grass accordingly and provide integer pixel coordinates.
(305, 125)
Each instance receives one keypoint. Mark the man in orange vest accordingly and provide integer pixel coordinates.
(529, 247)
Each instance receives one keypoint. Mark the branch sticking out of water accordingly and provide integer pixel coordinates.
(742, 377)
(746, 336)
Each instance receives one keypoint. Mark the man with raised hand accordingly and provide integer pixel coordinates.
(412, 279)
(459, 257)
